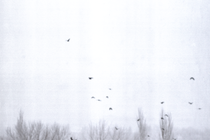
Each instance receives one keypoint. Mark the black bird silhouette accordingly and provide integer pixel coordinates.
(110, 108)
(162, 118)
(162, 102)
(190, 103)
(116, 128)
(107, 96)
(147, 135)
(192, 78)
(138, 120)
(90, 78)
(71, 138)
(68, 40)
(166, 115)
(199, 108)
(99, 100)
(93, 97)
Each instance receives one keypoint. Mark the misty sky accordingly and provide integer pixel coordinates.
(145, 51)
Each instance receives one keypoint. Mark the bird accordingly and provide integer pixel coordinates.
(99, 100)
(116, 128)
(68, 40)
(110, 89)
(190, 103)
(138, 120)
(110, 108)
(162, 118)
(162, 102)
(71, 138)
(192, 78)
(147, 135)
(90, 78)
(92, 97)
(166, 115)
(199, 108)
(107, 96)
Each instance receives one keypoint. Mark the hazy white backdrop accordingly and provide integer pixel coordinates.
(144, 50)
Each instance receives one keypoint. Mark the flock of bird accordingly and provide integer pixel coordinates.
(90, 78)
(191, 78)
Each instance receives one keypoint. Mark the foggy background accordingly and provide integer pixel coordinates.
(145, 51)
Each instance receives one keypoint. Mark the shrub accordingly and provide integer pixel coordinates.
(166, 126)
(36, 131)
(98, 132)
(142, 126)
(120, 134)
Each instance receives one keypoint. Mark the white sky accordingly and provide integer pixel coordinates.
(146, 51)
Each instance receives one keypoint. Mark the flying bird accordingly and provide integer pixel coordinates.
(162, 118)
(107, 96)
(68, 40)
(147, 135)
(190, 103)
(110, 108)
(110, 89)
(92, 97)
(166, 115)
(90, 78)
(162, 102)
(71, 138)
(199, 108)
(192, 78)
(138, 120)
(116, 128)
